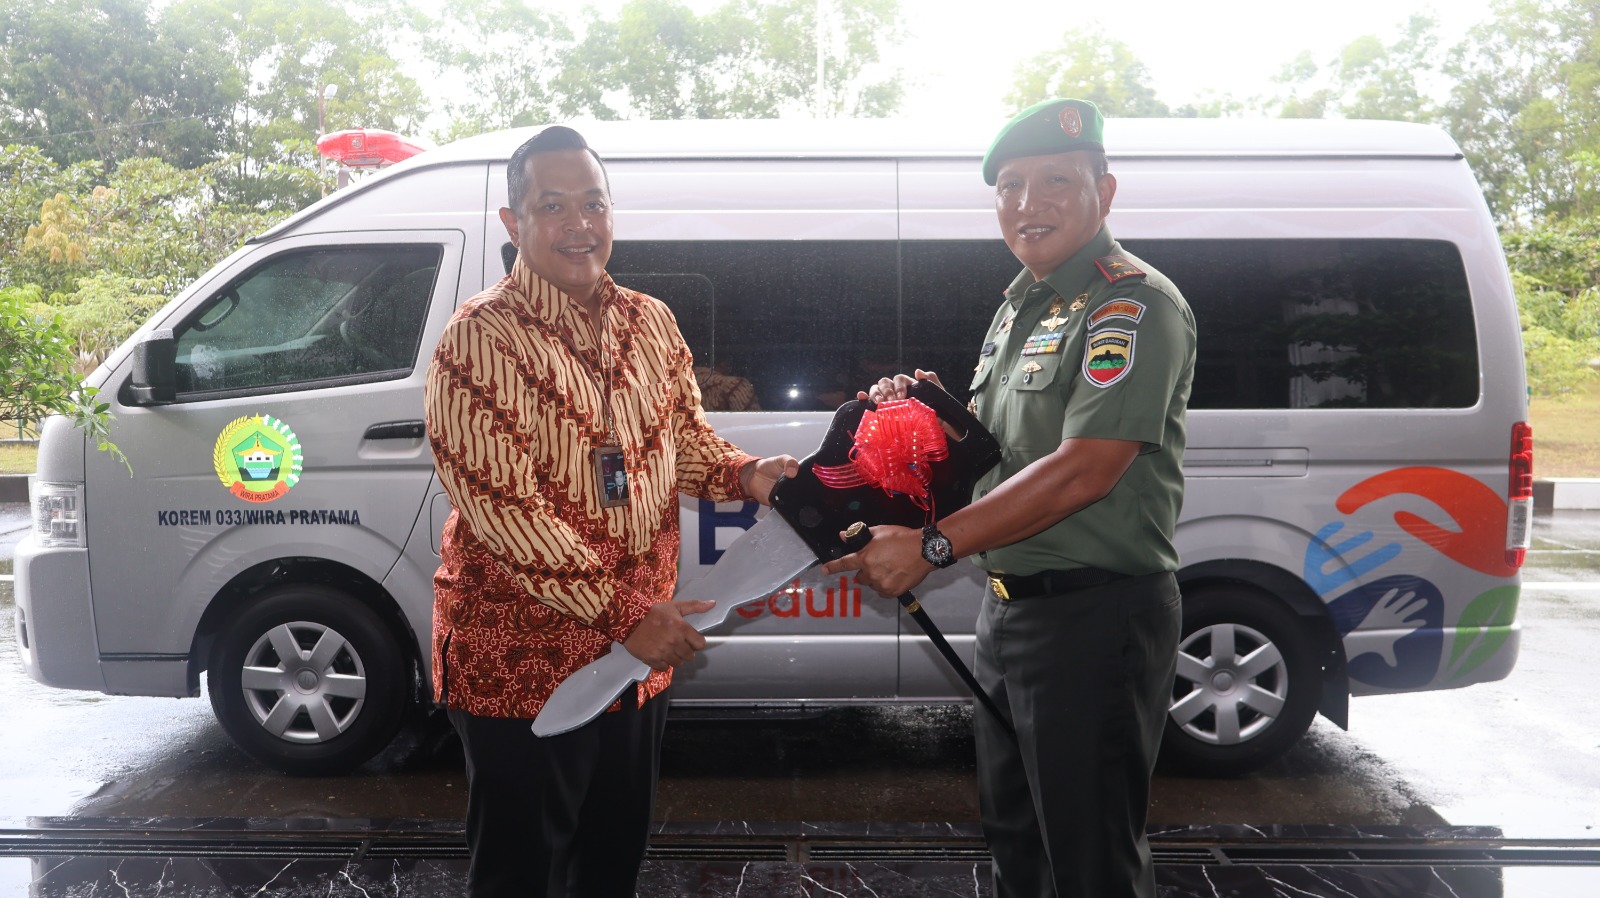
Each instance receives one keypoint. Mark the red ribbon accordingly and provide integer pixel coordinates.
(894, 448)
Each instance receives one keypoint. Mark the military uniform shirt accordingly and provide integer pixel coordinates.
(1103, 347)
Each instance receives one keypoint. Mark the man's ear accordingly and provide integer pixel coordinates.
(1108, 190)
(509, 219)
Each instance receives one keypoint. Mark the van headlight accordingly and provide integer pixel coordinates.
(57, 513)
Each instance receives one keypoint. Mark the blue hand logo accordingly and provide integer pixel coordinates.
(1328, 567)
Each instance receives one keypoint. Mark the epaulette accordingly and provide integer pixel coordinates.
(1117, 268)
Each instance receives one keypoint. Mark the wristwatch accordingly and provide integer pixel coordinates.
(936, 549)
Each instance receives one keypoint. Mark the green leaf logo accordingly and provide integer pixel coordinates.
(1484, 626)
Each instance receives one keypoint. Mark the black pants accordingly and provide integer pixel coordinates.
(1086, 677)
(564, 816)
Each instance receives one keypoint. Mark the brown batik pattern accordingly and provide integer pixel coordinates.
(536, 579)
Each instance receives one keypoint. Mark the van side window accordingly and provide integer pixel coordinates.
(1325, 323)
(806, 323)
(1282, 323)
(351, 314)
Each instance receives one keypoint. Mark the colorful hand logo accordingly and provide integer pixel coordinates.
(1476, 511)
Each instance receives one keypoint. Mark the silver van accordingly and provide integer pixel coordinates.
(1359, 470)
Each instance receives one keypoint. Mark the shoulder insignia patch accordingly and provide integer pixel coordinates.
(1117, 308)
(1117, 268)
(1109, 357)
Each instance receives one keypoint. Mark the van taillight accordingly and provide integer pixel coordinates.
(1519, 519)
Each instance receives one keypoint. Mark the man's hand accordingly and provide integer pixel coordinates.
(895, 387)
(663, 639)
(759, 477)
(891, 564)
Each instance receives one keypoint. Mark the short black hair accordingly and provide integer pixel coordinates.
(551, 139)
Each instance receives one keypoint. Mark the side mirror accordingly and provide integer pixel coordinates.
(155, 380)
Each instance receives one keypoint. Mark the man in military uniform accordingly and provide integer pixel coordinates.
(1084, 377)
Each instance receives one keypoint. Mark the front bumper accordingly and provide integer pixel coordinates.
(55, 616)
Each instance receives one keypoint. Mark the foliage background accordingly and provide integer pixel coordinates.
(142, 141)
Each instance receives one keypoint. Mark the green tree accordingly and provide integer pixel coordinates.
(291, 50)
(1090, 65)
(510, 54)
(1556, 273)
(105, 256)
(40, 377)
(109, 79)
(1526, 106)
(746, 59)
(1369, 79)
(27, 179)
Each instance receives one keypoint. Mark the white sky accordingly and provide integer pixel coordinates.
(960, 55)
(966, 61)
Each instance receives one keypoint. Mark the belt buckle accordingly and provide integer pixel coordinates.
(999, 587)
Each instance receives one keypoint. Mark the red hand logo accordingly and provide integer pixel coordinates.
(1476, 510)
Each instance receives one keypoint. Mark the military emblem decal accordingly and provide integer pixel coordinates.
(1109, 357)
(258, 458)
(1117, 308)
(1071, 121)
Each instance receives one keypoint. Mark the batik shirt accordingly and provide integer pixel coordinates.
(536, 578)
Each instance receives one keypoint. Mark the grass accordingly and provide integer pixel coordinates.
(1566, 435)
(17, 459)
(1566, 439)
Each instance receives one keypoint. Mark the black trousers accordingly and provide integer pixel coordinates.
(1086, 678)
(564, 816)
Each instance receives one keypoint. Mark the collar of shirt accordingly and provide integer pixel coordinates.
(1071, 277)
(547, 302)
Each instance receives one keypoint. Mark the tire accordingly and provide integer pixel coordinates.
(1248, 683)
(338, 702)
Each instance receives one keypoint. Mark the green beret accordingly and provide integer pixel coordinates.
(1054, 126)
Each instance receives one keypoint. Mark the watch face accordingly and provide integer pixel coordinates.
(936, 550)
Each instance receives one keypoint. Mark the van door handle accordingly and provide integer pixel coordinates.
(396, 430)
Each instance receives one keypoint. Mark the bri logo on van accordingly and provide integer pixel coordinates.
(258, 458)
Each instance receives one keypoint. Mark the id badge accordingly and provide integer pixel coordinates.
(611, 476)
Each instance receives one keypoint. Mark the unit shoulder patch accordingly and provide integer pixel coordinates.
(1117, 268)
(1109, 357)
(1117, 308)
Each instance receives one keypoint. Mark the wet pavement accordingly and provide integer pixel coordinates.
(137, 858)
(1489, 791)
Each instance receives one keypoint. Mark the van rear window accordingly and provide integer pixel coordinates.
(1282, 323)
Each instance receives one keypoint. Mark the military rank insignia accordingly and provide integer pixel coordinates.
(1109, 357)
(1116, 268)
(1042, 344)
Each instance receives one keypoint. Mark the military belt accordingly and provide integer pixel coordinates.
(1013, 586)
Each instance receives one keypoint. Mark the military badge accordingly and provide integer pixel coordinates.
(1117, 308)
(1032, 367)
(1109, 357)
(1079, 303)
(1071, 121)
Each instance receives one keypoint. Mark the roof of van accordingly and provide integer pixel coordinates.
(879, 138)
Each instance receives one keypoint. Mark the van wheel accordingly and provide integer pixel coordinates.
(308, 680)
(1247, 684)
